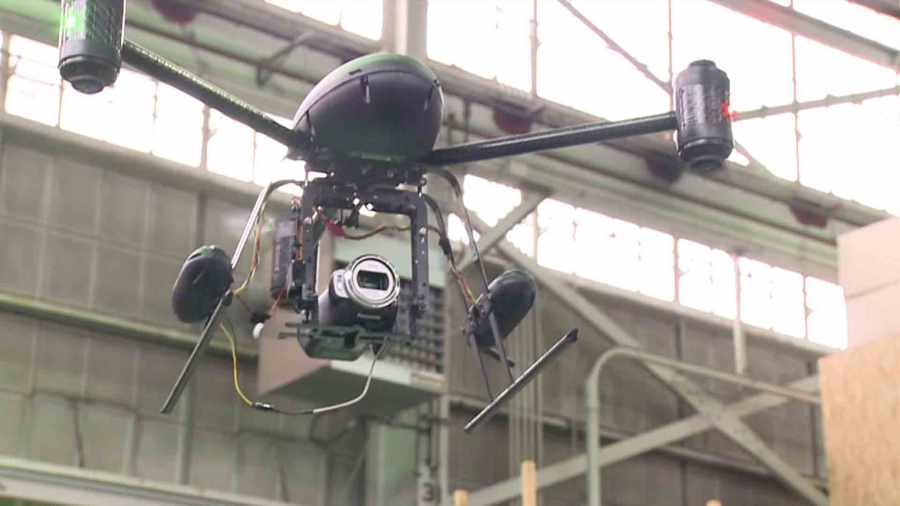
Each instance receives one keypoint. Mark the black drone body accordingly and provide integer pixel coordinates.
(373, 115)
(369, 127)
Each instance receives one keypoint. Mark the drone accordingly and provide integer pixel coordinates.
(368, 129)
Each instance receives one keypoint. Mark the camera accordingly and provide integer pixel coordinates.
(357, 311)
(363, 294)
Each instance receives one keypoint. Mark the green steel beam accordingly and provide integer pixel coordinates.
(49, 483)
(97, 322)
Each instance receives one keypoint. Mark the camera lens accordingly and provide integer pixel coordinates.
(364, 294)
(372, 280)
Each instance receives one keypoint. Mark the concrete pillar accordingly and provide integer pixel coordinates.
(404, 29)
(391, 465)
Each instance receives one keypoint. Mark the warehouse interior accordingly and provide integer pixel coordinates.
(734, 325)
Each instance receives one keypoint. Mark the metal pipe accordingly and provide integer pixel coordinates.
(522, 380)
(852, 98)
(157, 67)
(637, 64)
(644, 69)
(552, 139)
(535, 45)
(92, 321)
(206, 335)
(592, 393)
(263, 74)
(881, 6)
(792, 20)
(737, 326)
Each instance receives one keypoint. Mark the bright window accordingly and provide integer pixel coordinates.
(771, 141)
(706, 280)
(34, 87)
(556, 221)
(857, 162)
(851, 150)
(492, 201)
(230, 147)
(756, 55)
(619, 18)
(270, 163)
(575, 68)
(134, 102)
(121, 114)
(178, 130)
(854, 18)
(489, 200)
(656, 264)
(522, 235)
(827, 313)
(456, 229)
(607, 250)
(89, 115)
(772, 298)
(623, 254)
(495, 42)
(362, 17)
(823, 71)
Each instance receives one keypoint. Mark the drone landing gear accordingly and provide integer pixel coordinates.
(495, 329)
(522, 380)
(484, 375)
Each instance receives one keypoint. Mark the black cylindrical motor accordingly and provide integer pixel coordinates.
(511, 296)
(90, 43)
(364, 294)
(704, 119)
(205, 277)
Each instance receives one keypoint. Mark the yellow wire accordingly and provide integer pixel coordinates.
(254, 262)
(234, 365)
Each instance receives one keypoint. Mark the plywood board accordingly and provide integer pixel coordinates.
(861, 407)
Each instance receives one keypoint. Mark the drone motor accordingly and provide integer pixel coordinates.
(511, 297)
(703, 110)
(205, 277)
(90, 43)
(383, 109)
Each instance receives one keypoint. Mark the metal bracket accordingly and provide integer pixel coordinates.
(264, 68)
(328, 195)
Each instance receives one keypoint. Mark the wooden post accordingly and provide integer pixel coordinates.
(529, 483)
(460, 498)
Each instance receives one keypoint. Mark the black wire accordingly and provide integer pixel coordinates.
(457, 188)
(445, 244)
(438, 214)
(498, 339)
(442, 226)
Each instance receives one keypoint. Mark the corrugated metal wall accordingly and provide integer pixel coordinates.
(77, 233)
(634, 402)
